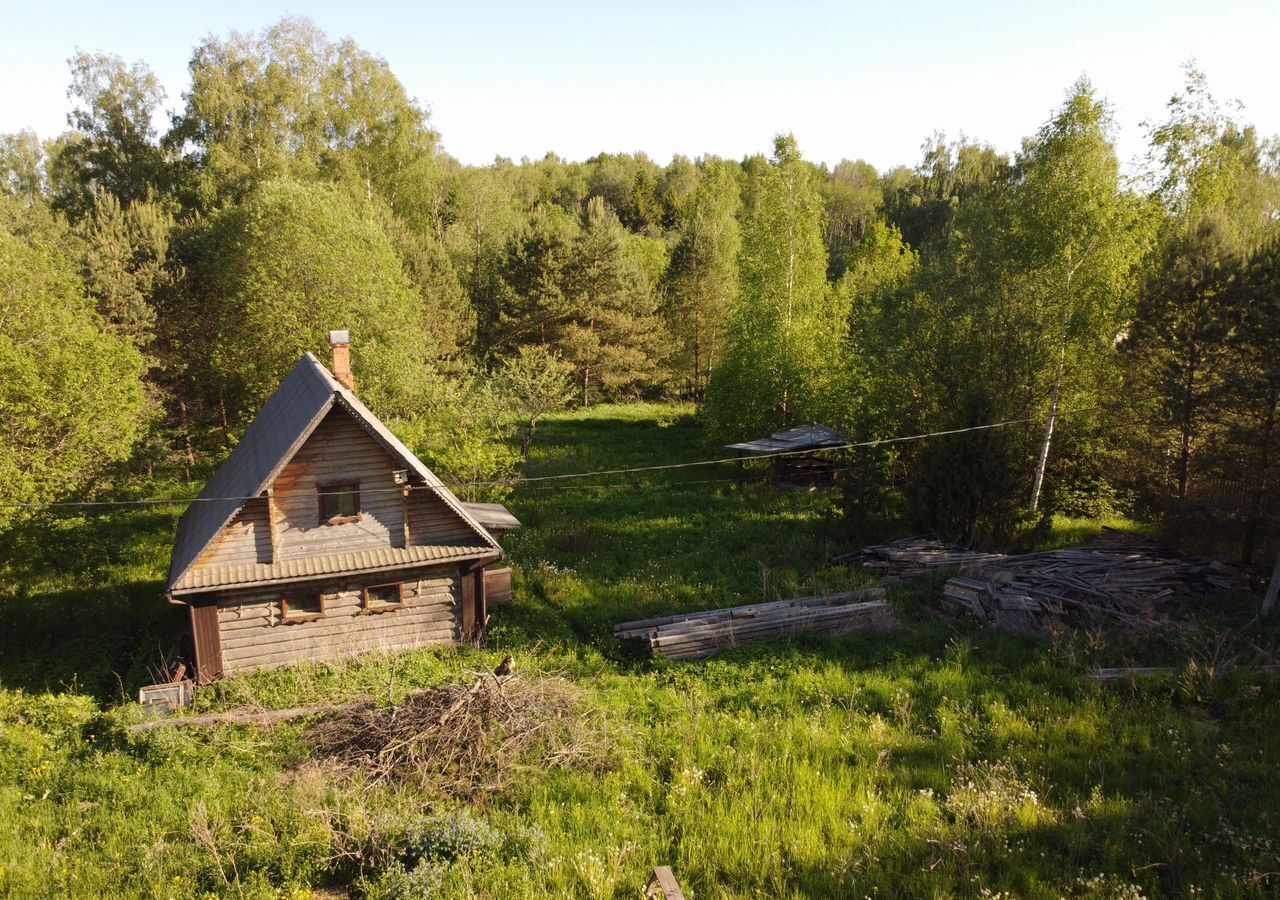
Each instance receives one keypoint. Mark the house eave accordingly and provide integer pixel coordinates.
(477, 559)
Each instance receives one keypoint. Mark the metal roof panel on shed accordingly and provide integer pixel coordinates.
(792, 440)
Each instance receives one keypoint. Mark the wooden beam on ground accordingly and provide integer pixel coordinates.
(1118, 675)
(663, 885)
(243, 717)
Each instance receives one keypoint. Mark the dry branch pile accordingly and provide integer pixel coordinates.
(909, 558)
(1123, 577)
(699, 635)
(463, 741)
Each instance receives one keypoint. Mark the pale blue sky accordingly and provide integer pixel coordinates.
(856, 80)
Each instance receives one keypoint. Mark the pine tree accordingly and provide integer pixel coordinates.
(702, 280)
(607, 325)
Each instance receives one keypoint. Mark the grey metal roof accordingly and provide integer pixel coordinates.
(804, 437)
(493, 516)
(274, 436)
(369, 560)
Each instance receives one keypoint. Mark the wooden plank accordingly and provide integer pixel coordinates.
(636, 628)
(663, 885)
(468, 605)
(497, 587)
(208, 642)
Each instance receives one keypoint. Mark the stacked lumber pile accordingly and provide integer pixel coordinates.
(702, 634)
(909, 558)
(1126, 578)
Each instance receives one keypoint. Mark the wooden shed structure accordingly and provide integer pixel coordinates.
(322, 536)
(796, 454)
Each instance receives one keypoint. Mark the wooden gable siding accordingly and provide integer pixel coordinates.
(247, 539)
(339, 450)
(432, 521)
(254, 637)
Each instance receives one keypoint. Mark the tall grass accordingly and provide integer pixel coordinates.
(942, 760)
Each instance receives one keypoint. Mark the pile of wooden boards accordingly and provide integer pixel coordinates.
(701, 634)
(910, 558)
(1126, 578)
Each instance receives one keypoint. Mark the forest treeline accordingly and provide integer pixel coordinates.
(159, 282)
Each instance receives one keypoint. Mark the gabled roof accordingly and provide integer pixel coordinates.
(275, 435)
(804, 437)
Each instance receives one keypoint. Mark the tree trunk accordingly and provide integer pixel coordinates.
(1253, 523)
(528, 437)
(1043, 461)
(188, 454)
(1186, 430)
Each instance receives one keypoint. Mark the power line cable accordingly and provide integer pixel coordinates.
(877, 442)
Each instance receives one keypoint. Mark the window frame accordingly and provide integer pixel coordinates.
(298, 618)
(335, 489)
(386, 607)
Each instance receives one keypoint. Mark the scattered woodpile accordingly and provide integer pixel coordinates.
(909, 558)
(1126, 578)
(702, 634)
(463, 742)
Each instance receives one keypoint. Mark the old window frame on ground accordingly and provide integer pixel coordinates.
(382, 606)
(308, 615)
(333, 494)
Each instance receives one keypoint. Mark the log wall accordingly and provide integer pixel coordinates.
(254, 636)
(247, 539)
(339, 450)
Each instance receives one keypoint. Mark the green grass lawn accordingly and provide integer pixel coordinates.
(942, 760)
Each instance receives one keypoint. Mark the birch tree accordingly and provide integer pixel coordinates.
(780, 366)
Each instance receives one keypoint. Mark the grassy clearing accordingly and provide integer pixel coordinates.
(943, 760)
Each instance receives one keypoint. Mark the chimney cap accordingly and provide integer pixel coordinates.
(337, 338)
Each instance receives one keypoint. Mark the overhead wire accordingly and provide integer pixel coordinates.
(568, 476)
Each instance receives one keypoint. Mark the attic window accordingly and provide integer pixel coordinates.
(382, 597)
(339, 502)
(301, 607)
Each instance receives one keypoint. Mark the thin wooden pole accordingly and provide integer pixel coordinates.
(1273, 589)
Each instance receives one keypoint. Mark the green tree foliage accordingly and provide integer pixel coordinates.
(534, 273)
(22, 166)
(854, 196)
(780, 366)
(267, 279)
(1075, 242)
(702, 280)
(1252, 418)
(1220, 190)
(125, 252)
(289, 102)
(533, 382)
(607, 325)
(923, 202)
(72, 401)
(115, 147)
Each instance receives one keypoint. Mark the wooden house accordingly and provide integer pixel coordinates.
(322, 536)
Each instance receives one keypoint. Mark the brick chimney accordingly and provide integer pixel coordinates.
(340, 341)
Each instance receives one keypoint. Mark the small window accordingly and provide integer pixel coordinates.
(381, 597)
(301, 607)
(339, 502)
